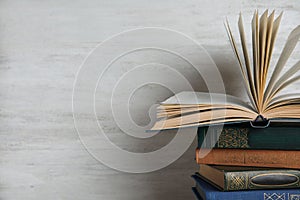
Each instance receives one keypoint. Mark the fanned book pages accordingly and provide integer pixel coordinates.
(263, 86)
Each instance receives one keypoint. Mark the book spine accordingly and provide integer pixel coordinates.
(249, 180)
(246, 157)
(291, 194)
(204, 191)
(249, 138)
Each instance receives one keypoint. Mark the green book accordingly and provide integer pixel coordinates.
(243, 136)
(229, 178)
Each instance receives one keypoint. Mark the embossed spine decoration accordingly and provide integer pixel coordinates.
(236, 181)
(233, 138)
(247, 180)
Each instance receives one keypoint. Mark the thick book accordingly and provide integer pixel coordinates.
(230, 178)
(243, 136)
(267, 98)
(205, 191)
(246, 157)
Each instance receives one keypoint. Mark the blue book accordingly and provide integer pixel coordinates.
(205, 191)
(194, 189)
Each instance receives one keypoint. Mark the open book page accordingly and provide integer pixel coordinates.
(274, 31)
(285, 84)
(160, 125)
(286, 52)
(255, 51)
(166, 111)
(194, 98)
(284, 81)
(285, 97)
(284, 111)
(242, 68)
(247, 61)
(201, 108)
(283, 102)
(204, 118)
(262, 45)
(268, 46)
(274, 34)
(210, 115)
(284, 106)
(264, 31)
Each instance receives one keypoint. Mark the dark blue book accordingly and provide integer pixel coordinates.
(205, 191)
(198, 197)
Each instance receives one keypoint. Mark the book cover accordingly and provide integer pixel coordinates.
(208, 192)
(230, 178)
(245, 157)
(243, 136)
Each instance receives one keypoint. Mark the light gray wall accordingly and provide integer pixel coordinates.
(43, 43)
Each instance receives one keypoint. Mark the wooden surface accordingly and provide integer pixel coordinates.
(43, 43)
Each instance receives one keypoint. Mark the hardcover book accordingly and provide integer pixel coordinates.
(246, 157)
(230, 178)
(265, 88)
(206, 191)
(243, 136)
(194, 189)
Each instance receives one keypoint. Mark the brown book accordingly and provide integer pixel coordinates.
(246, 157)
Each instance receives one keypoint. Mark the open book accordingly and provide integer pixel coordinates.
(266, 103)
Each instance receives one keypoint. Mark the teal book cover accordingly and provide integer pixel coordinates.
(243, 136)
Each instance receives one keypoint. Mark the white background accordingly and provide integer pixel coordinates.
(43, 43)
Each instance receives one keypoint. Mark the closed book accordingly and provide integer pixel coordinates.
(195, 191)
(206, 191)
(276, 136)
(230, 178)
(246, 157)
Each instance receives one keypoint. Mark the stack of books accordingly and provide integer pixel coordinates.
(246, 149)
(248, 163)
